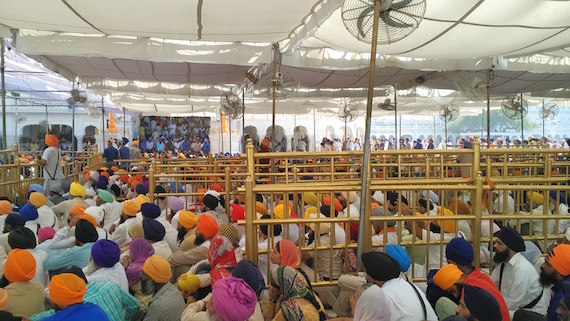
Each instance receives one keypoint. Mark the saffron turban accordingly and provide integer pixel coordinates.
(130, 208)
(158, 269)
(260, 208)
(207, 225)
(559, 258)
(447, 276)
(5, 207)
(38, 199)
(141, 199)
(20, 266)
(77, 210)
(76, 190)
(67, 289)
(233, 299)
(216, 187)
(105, 253)
(279, 210)
(337, 204)
(536, 197)
(51, 140)
(187, 219)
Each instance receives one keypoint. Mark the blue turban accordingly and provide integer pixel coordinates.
(398, 253)
(150, 210)
(14, 220)
(141, 189)
(125, 140)
(105, 253)
(176, 188)
(481, 304)
(65, 186)
(459, 251)
(153, 230)
(102, 182)
(553, 196)
(251, 274)
(37, 188)
(29, 212)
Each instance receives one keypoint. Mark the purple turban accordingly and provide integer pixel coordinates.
(105, 253)
(233, 299)
(175, 204)
(141, 189)
(150, 210)
(102, 183)
(140, 249)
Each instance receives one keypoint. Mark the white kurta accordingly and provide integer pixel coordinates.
(115, 274)
(404, 302)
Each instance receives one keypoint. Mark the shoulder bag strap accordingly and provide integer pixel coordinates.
(421, 300)
(501, 275)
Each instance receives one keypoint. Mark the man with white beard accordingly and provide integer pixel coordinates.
(104, 264)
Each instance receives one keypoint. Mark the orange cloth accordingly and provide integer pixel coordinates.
(462, 208)
(67, 289)
(337, 204)
(158, 269)
(114, 169)
(131, 208)
(207, 225)
(134, 183)
(3, 299)
(135, 143)
(187, 219)
(20, 266)
(559, 258)
(51, 140)
(5, 208)
(105, 174)
(201, 192)
(38, 199)
(447, 276)
(260, 208)
(124, 178)
(217, 187)
(77, 210)
(89, 219)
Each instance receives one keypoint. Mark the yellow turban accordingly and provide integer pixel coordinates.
(536, 198)
(67, 289)
(310, 198)
(187, 219)
(189, 282)
(448, 225)
(77, 190)
(495, 172)
(141, 199)
(447, 276)
(158, 269)
(51, 140)
(131, 208)
(278, 211)
(311, 210)
(260, 208)
(136, 231)
(38, 199)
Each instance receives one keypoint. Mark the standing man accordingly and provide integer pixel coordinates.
(110, 153)
(134, 151)
(50, 160)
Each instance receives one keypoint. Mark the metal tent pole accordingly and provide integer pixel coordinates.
(364, 237)
(230, 129)
(73, 129)
(103, 119)
(488, 108)
(274, 89)
(124, 123)
(543, 131)
(396, 118)
(243, 120)
(2, 67)
(522, 120)
(314, 131)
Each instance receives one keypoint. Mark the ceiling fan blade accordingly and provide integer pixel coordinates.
(400, 5)
(392, 21)
(361, 20)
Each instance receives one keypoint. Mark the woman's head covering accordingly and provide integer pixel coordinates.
(221, 256)
(140, 250)
(294, 285)
(372, 305)
(158, 269)
(251, 274)
(105, 253)
(229, 231)
(233, 299)
(136, 231)
(67, 289)
(20, 266)
(153, 230)
(51, 140)
(289, 253)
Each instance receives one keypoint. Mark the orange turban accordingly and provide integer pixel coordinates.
(5, 207)
(114, 169)
(216, 187)
(105, 174)
(51, 140)
(279, 210)
(260, 208)
(67, 289)
(158, 269)
(462, 208)
(20, 266)
(337, 205)
(135, 142)
(131, 208)
(559, 258)
(89, 219)
(201, 192)
(135, 182)
(77, 210)
(207, 225)
(447, 276)
(187, 219)
(38, 199)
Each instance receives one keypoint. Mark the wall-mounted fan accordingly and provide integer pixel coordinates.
(348, 111)
(232, 105)
(285, 86)
(398, 18)
(547, 111)
(472, 88)
(387, 105)
(448, 113)
(515, 107)
(76, 97)
(92, 110)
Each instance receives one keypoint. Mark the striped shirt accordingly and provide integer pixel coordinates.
(117, 304)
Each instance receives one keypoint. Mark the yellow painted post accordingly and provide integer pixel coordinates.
(227, 188)
(151, 181)
(477, 203)
(250, 239)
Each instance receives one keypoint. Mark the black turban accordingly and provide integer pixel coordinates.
(153, 230)
(380, 266)
(512, 239)
(277, 229)
(22, 238)
(85, 232)
(481, 304)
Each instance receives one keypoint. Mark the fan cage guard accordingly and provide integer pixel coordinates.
(513, 108)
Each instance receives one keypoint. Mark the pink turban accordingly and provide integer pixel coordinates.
(233, 299)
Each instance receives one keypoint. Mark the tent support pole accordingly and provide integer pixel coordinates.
(4, 139)
(543, 131)
(397, 141)
(314, 131)
(125, 123)
(103, 119)
(364, 237)
(522, 121)
(488, 108)
(230, 128)
(243, 120)
(73, 130)
(274, 89)
(222, 131)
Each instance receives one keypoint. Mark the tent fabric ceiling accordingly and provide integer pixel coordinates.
(196, 48)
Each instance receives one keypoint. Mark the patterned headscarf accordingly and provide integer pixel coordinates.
(293, 285)
(222, 257)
